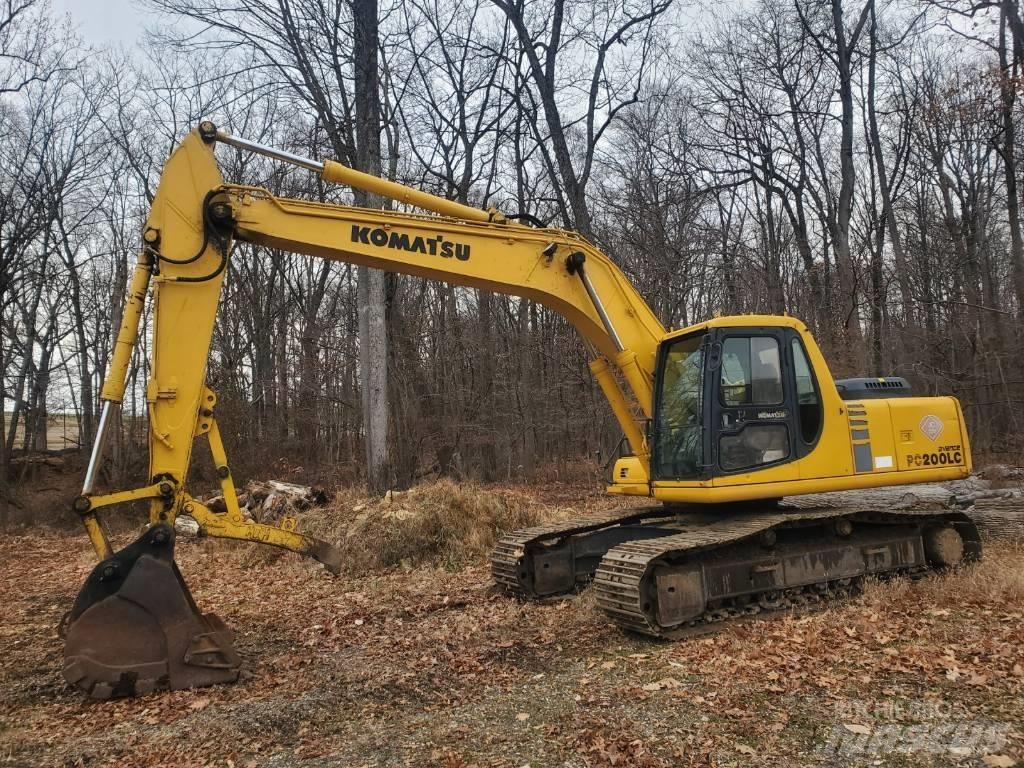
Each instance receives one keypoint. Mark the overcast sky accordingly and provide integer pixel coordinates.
(103, 22)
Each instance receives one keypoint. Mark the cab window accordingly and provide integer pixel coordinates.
(678, 445)
(751, 371)
(807, 397)
(754, 445)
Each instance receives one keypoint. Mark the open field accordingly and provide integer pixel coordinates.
(61, 431)
(428, 666)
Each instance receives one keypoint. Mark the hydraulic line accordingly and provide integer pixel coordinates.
(337, 173)
(113, 386)
(575, 265)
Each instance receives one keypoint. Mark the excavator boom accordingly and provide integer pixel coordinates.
(134, 620)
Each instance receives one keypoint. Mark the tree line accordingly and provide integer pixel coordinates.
(855, 164)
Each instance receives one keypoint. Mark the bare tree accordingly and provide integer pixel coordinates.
(307, 45)
(574, 54)
(373, 351)
(839, 45)
(26, 51)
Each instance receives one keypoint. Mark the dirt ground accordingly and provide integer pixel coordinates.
(428, 666)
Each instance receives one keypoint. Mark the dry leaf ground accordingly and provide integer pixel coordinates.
(426, 665)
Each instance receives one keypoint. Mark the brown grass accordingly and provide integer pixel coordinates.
(440, 523)
(997, 579)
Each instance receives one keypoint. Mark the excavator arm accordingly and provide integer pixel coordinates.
(194, 220)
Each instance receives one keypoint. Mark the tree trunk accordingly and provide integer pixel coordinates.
(543, 75)
(4, 491)
(1008, 96)
(888, 216)
(849, 321)
(373, 346)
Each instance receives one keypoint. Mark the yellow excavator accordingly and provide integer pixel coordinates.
(729, 423)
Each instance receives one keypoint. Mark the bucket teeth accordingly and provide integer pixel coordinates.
(135, 628)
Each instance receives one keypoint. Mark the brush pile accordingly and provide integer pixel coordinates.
(440, 523)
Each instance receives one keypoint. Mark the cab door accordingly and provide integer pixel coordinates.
(751, 407)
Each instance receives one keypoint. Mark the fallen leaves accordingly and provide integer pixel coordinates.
(999, 761)
(617, 750)
(977, 679)
(417, 661)
(664, 684)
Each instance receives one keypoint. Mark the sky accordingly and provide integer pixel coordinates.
(103, 22)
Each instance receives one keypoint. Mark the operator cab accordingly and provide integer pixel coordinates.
(733, 400)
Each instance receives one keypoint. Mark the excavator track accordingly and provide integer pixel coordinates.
(522, 565)
(676, 573)
(742, 566)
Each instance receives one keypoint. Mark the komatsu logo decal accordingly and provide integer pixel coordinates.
(399, 241)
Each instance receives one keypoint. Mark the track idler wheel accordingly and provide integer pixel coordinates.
(943, 546)
(135, 628)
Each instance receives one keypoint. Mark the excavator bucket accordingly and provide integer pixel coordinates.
(135, 628)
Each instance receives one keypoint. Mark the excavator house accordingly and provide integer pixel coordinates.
(735, 427)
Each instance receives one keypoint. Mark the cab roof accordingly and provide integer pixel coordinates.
(741, 321)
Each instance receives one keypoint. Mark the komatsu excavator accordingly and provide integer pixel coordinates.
(723, 420)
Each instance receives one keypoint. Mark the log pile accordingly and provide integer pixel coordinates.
(268, 501)
(1001, 472)
(999, 513)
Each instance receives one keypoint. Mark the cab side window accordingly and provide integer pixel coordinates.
(807, 397)
(751, 371)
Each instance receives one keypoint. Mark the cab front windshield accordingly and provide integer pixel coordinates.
(678, 449)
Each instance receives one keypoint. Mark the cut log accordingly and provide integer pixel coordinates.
(1001, 472)
(186, 525)
(966, 499)
(298, 495)
(999, 518)
(217, 504)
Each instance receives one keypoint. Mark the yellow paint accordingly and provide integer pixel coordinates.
(128, 333)
(235, 526)
(767, 488)
(620, 407)
(97, 536)
(336, 173)
(629, 477)
(503, 258)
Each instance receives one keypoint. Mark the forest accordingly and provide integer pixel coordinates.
(854, 164)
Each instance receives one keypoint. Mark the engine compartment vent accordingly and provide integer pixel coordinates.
(866, 388)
